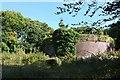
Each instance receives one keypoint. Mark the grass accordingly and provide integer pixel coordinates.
(97, 67)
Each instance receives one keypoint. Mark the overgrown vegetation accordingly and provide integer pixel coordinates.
(23, 40)
(106, 65)
(65, 41)
(22, 58)
(20, 33)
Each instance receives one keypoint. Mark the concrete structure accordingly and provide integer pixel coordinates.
(83, 48)
(89, 48)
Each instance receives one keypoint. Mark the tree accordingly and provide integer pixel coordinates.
(108, 9)
(36, 32)
(20, 32)
(112, 9)
(12, 23)
(114, 32)
(61, 24)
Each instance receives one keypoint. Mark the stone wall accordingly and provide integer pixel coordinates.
(89, 48)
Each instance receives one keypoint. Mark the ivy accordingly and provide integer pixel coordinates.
(64, 41)
(5, 47)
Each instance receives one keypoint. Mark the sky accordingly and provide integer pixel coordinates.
(45, 12)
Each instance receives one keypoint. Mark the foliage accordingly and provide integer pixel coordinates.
(65, 41)
(82, 29)
(5, 47)
(92, 37)
(21, 32)
(62, 25)
(68, 58)
(36, 35)
(89, 30)
(99, 67)
(94, 34)
(112, 9)
(110, 55)
(47, 41)
(12, 21)
(23, 59)
(54, 61)
(114, 32)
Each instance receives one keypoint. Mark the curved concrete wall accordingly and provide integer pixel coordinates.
(89, 48)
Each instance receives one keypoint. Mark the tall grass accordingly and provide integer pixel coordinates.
(106, 65)
(22, 58)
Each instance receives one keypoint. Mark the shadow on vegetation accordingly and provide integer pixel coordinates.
(92, 68)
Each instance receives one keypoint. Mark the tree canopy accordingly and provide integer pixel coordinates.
(20, 32)
(114, 32)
